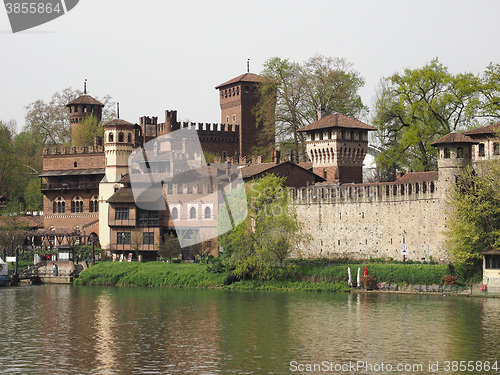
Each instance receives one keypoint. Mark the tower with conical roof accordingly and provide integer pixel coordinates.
(80, 109)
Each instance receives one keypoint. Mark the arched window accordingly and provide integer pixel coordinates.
(481, 149)
(446, 153)
(175, 213)
(129, 138)
(94, 204)
(120, 137)
(59, 205)
(77, 204)
(75, 164)
(208, 213)
(460, 153)
(192, 213)
(110, 137)
(496, 148)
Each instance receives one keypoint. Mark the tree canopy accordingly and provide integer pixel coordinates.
(85, 134)
(473, 223)
(20, 164)
(418, 106)
(292, 92)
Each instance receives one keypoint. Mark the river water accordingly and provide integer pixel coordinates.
(63, 329)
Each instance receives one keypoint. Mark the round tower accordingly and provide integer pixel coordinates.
(81, 108)
(118, 145)
(454, 153)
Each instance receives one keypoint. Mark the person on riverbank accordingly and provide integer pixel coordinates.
(54, 269)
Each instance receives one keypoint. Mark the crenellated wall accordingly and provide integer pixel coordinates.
(73, 158)
(360, 221)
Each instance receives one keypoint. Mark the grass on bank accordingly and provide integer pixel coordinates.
(305, 275)
(150, 274)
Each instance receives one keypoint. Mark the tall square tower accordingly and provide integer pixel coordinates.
(238, 97)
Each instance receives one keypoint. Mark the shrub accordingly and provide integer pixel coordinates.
(369, 282)
(450, 280)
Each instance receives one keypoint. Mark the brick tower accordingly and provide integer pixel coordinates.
(238, 97)
(79, 109)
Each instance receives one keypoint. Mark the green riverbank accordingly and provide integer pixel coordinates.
(309, 276)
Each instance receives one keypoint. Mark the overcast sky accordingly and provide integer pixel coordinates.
(156, 55)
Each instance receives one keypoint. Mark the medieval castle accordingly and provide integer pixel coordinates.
(87, 189)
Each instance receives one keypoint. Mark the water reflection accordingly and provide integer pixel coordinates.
(104, 330)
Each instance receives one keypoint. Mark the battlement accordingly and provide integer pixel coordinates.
(353, 193)
(146, 120)
(72, 150)
(203, 129)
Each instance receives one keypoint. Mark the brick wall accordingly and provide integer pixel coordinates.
(67, 161)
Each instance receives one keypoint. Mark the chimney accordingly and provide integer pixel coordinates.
(275, 156)
(321, 111)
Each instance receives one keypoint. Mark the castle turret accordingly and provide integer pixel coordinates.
(118, 145)
(171, 123)
(337, 145)
(79, 110)
(149, 128)
(454, 153)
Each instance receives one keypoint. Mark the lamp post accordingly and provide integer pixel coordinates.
(123, 244)
(92, 239)
(404, 255)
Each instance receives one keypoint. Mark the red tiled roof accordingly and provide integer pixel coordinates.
(453, 138)
(246, 77)
(85, 99)
(117, 121)
(122, 195)
(336, 120)
(306, 165)
(490, 129)
(253, 170)
(413, 177)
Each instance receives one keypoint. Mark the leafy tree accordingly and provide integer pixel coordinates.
(269, 233)
(292, 93)
(33, 196)
(20, 164)
(9, 163)
(169, 247)
(416, 107)
(490, 90)
(85, 134)
(13, 231)
(473, 223)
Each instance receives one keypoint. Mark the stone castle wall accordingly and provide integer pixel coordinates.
(368, 220)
